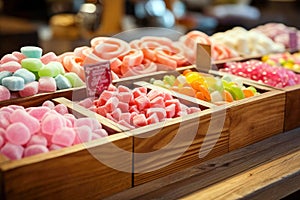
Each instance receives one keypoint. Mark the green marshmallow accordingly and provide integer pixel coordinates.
(58, 66)
(49, 71)
(74, 79)
(32, 64)
(32, 51)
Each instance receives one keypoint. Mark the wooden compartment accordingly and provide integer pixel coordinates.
(76, 172)
(255, 118)
(170, 146)
(292, 101)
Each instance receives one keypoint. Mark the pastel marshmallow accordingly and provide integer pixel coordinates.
(49, 71)
(12, 151)
(64, 136)
(10, 66)
(8, 57)
(13, 83)
(38, 112)
(47, 84)
(25, 74)
(37, 139)
(62, 82)
(83, 134)
(48, 104)
(17, 133)
(32, 51)
(32, 64)
(22, 116)
(61, 109)
(101, 132)
(51, 123)
(35, 149)
(4, 119)
(19, 55)
(30, 89)
(4, 93)
(74, 79)
(49, 57)
(4, 74)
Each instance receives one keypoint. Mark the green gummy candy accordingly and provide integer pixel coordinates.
(32, 64)
(253, 89)
(49, 70)
(32, 51)
(169, 80)
(236, 92)
(58, 66)
(74, 79)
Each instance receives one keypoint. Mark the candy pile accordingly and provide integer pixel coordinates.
(145, 55)
(29, 131)
(279, 33)
(206, 87)
(287, 60)
(27, 73)
(247, 43)
(137, 107)
(218, 51)
(275, 76)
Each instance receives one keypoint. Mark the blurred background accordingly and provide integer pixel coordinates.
(62, 25)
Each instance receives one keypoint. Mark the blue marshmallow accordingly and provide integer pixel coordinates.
(13, 83)
(25, 74)
(3, 75)
(62, 82)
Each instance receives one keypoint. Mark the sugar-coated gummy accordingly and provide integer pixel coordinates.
(13, 83)
(32, 51)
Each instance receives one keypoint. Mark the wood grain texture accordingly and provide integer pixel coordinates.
(178, 155)
(292, 108)
(257, 118)
(71, 173)
(194, 180)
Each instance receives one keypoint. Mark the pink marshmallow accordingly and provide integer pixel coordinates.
(64, 137)
(35, 149)
(47, 84)
(37, 139)
(49, 57)
(101, 132)
(17, 133)
(55, 147)
(22, 116)
(8, 57)
(4, 93)
(71, 118)
(12, 151)
(84, 134)
(87, 103)
(10, 66)
(83, 122)
(4, 119)
(19, 55)
(30, 89)
(2, 141)
(51, 123)
(38, 112)
(61, 109)
(49, 104)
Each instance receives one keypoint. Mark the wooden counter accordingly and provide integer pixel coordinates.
(269, 169)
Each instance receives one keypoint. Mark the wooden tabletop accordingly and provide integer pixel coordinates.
(269, 169)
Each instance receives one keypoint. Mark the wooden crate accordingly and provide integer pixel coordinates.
(162, 147)
(76, 172)
(252, 119)
(292, 101)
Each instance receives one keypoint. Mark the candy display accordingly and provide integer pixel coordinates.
(275, 76)
(287, 60)
(34, 130)
(207, 87)
(247, 43)
(28, 72)
(137, 107)
(280, 33)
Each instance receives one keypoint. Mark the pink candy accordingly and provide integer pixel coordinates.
(47, 84)
(17, 133)
(35, 130)
(138, 107)
(30, 89)
(259, 71)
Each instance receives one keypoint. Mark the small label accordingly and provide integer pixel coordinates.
(97, 78)
(293, 40)
(203, 57)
